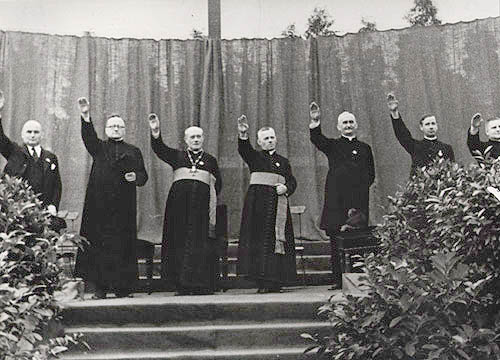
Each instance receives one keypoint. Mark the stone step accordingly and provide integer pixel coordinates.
(310, 278)
(311, 247)
(199, 337)
(220, 309)
(305, 263)
(288, 353)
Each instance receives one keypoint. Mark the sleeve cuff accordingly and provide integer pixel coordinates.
(314, 125)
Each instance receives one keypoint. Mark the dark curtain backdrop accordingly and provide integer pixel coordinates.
(451, 71)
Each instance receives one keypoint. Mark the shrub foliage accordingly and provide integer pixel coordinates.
(29, 276)
(433, 289)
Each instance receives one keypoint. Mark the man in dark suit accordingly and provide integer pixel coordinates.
(33, 163)
(351, 172)
(109, 218)
(422, 152)
(492, 130)
(266, 251)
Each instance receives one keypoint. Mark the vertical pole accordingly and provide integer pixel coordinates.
(214, 19)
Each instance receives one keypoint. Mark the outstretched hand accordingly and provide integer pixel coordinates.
(476, 121)
(392, 104)
(2, 100)
(154, 122)
(314, 112)
(84, 105)
(242, 124)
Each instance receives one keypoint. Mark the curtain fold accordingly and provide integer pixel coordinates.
(451, 71)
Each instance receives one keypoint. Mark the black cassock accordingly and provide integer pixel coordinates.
(473, 143)
(187, 250)
(422, 152)
(256, 250)
(109, 213)
(351, 172)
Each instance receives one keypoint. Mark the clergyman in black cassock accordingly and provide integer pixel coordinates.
(492, 129)
(351, 172)
(33, 163)
(423, 152)
(266, 251)
(109, 211)
(189, 244)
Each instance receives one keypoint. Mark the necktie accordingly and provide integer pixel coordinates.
(34, 154)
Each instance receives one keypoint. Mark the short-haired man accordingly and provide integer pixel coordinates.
(492, 129)
(188, 247)
(33, 163)
(422, 152)
(351, 172)
(266, 250)
(109, 219)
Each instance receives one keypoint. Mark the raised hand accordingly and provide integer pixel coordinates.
(314, 112)
(154, 122)
(84, 105)
(242, 124)
(392, 103)
(2, 100)
(476, 121)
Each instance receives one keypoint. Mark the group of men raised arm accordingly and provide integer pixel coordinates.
(266, 244)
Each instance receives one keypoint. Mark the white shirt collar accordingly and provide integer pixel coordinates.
(271, 152)
(350, 138)
(37, 148)
(430, 138)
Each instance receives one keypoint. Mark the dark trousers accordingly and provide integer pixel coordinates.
(335, 260)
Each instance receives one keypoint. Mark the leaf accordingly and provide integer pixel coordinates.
(58, 349)
(463, 354)
(395, 321)
(307, 336)
(410, 349)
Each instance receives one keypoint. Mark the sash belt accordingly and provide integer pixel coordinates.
(184, 173)
(271, 179)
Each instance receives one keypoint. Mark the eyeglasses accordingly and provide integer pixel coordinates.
(115, 127)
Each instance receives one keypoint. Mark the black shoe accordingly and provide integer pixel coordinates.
(124, 295)
(98, 296)
(203, 292)
(276, 289)
(335, 287)
(182, 292)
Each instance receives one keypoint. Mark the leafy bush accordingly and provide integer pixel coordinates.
(29, 276)
(433, 289)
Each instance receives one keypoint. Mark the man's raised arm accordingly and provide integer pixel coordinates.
(473, 142)
(6, 145)
(400, 130)
(317, 138)
(245, 149)
(89, 135)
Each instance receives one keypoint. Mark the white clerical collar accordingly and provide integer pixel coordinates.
(350, 138)
(36, 148)
(430, 138)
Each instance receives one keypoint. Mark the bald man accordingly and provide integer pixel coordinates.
(351, 173)
(266, 250)
(109, 213)
(422, 152)
(32, 162)
(188, 247)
